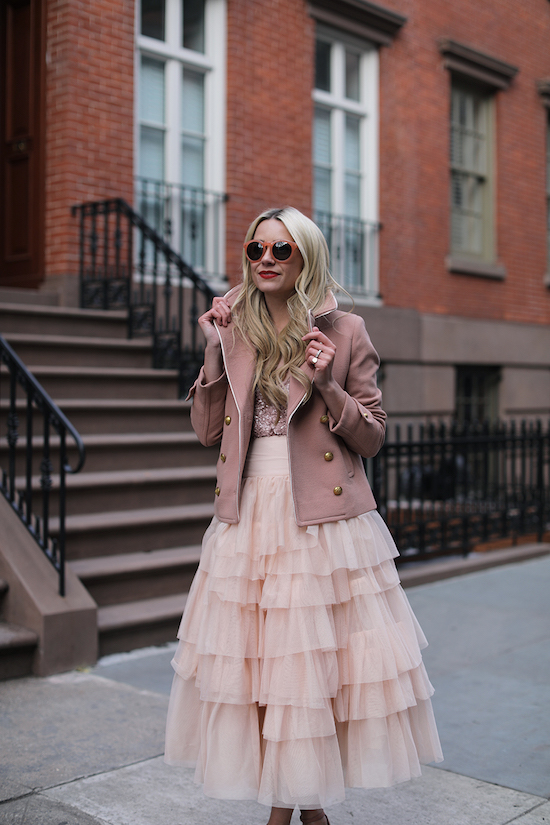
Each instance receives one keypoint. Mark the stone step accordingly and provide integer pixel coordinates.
(134, 531)
(80, 351)
(115, 415)
(132, 576)
(141, 623)
(17, 646)
(122, 451)
(126, 489)
(103, 382)
(53, 320)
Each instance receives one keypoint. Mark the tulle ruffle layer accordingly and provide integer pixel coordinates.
(298, 670)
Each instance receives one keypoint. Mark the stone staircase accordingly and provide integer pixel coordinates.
(137, 511)
(17, 644)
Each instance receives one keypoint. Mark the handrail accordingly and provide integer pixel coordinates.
(21, 501)
(153, 284)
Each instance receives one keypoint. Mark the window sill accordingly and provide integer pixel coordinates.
(466, 266)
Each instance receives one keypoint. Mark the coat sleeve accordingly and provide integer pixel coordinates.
(208, 408)
(362, 424)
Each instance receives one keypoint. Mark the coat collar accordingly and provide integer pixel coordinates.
(239, 362)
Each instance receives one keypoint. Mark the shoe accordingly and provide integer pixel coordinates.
(317, 818)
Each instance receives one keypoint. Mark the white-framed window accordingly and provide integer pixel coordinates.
(472, 178)
(345, 157)
(180, 126)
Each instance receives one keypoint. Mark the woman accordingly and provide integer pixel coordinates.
(298, 671)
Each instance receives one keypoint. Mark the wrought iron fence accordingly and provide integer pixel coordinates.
(353, 246)
(27, 397)
(446, 490)
(125, 264)
(189, 219)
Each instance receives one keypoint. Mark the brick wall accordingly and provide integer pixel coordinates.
(414, 157)
(270, 62)
(89, 115)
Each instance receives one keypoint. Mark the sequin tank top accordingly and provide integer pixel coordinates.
(265, 417)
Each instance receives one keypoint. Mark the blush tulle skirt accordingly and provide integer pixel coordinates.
(298, 671)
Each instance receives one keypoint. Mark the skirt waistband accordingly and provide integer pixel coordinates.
(267, 457)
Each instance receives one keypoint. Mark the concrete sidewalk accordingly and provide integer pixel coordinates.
(85, 748)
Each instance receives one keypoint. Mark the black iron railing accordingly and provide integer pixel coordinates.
(446, 490)
(353, 246)
(125, 264)
(25, 396)
(189, 219)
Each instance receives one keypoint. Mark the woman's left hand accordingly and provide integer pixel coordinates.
(320, 352)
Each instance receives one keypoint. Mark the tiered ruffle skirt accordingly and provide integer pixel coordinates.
(298, 671)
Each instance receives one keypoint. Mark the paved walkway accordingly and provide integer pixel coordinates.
(85, 748)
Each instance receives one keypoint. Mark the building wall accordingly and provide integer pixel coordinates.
(414, 160)
(430, 320)
(89, 116)
(270, 65)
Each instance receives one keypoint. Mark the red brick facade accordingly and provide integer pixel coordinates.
(270, 61)
(414, 161)
(89, 115)
(270, 49)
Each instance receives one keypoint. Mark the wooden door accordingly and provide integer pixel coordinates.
(22, 31)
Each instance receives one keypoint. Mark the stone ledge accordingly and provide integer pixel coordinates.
(426, 572)
(479, 269)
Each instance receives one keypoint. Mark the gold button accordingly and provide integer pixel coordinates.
(227, 419)
(366, 415)
(324, 419)
(337, 491)
(223, 457)
(217, 491)
(328, 456)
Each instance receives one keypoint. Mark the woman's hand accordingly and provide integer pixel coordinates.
(320, 352)
(219, 313)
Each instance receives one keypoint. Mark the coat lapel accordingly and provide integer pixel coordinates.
(239, 361)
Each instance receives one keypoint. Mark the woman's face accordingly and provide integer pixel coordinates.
(275, 278)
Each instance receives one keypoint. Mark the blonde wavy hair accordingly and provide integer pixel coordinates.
(281, 354)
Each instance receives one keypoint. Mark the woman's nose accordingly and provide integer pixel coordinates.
(268, 255)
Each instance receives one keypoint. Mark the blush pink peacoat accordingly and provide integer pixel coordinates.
(327, 476)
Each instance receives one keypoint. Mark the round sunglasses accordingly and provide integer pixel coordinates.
(281, 250)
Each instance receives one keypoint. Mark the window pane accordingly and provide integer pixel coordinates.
(353, 152)
(468, 131)
(152, 18)
(352, 206)
(322, 65)
(192, 110)
(192, 161)
(352, 76)
(151, 98)
(151, 153)
(321, 137)
(193, 25)
(321, 190)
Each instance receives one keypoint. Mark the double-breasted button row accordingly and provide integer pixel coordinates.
(223, 458)
(227, 420)
(324, 419)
